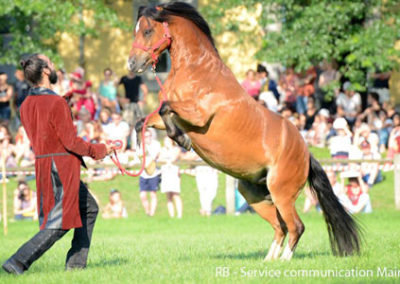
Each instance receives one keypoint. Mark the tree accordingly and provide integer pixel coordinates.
(359, 35)
(29, 26)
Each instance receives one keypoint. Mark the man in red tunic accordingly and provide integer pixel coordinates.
(63, 200)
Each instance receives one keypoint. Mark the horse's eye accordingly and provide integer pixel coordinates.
(148, 32)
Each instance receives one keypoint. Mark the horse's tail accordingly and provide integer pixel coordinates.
(344, 233)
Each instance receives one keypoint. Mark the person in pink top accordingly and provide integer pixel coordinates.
(251, 84)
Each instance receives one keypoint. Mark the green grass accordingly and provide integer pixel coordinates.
(163, 250)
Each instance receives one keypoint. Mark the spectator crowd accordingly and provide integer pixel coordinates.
(326, 108)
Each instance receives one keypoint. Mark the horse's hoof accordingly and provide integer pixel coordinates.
(165, 108)
(139, 126)
(185, 142)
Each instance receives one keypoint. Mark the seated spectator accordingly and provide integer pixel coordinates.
(6, 147)
(340, 144)
(318, 134)
(371, 114)
(369, 170)
(289, 85)
(108, 91)
(364, 133)
(6, 93)
(24, 202)
(117, 130)
(348, 104)
(251, 84)
(105, 117)
(310, 113)
(358, 199)
(170, 177)
(81, 94)
(305, 90)
(24, 156)
(115, 207)
(394, 138)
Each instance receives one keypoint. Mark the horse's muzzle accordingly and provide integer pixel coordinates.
(136, 65)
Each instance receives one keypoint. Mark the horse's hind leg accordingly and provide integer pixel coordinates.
(258, 197)
(173, 131)
(284, 194)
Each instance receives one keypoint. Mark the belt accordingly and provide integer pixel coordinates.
(51, 155)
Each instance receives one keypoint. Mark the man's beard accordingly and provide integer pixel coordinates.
(53, 77)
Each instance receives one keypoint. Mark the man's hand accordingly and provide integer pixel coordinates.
(110, 148)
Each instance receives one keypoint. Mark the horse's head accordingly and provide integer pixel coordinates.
(151, 39)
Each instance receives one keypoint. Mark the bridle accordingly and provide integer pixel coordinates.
(117, 144)
(166, 38)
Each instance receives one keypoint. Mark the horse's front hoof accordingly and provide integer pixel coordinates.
(165, 108)
(185, 142)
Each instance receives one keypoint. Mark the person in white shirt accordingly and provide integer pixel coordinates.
(348, 103)
(151, 177)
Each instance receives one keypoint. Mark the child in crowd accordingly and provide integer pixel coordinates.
(115, 207)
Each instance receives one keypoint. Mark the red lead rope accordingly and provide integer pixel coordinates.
(118, 143)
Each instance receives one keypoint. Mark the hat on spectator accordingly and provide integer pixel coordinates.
(324, 112)
(340, 123)
(76, 76)
(364, 128)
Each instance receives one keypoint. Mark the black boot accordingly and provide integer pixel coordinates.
(13, 266)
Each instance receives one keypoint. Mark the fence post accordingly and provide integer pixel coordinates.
(397, 181)
(230, 194)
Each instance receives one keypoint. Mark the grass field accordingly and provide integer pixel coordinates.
(219, 249)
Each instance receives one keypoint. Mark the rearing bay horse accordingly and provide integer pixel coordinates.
(207, 109)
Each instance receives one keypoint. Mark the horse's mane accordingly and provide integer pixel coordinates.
(180, 9)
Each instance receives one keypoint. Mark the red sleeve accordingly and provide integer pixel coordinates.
(65, 130)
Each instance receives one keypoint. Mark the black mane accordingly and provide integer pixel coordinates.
(179, 9)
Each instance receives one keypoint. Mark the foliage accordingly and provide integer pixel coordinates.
(36, 25)
(359, 35)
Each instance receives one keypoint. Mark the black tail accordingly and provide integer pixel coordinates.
(344, 233)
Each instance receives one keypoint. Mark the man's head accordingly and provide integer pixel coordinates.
(3, 78)
(38, 69)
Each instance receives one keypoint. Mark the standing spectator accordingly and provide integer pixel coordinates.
(132, 103)
(115, 207)
(251, 84)
(328, 78)
(6, 93)
(380, 85)
(170, 177)
(108, 91)
(305, 89)
(24, 202)
(348, 104)
(206, 181)
(150, 178)
(394, 138)
(21, 89)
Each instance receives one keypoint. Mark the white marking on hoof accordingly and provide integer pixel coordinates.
(273, 252)
(287, 253)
